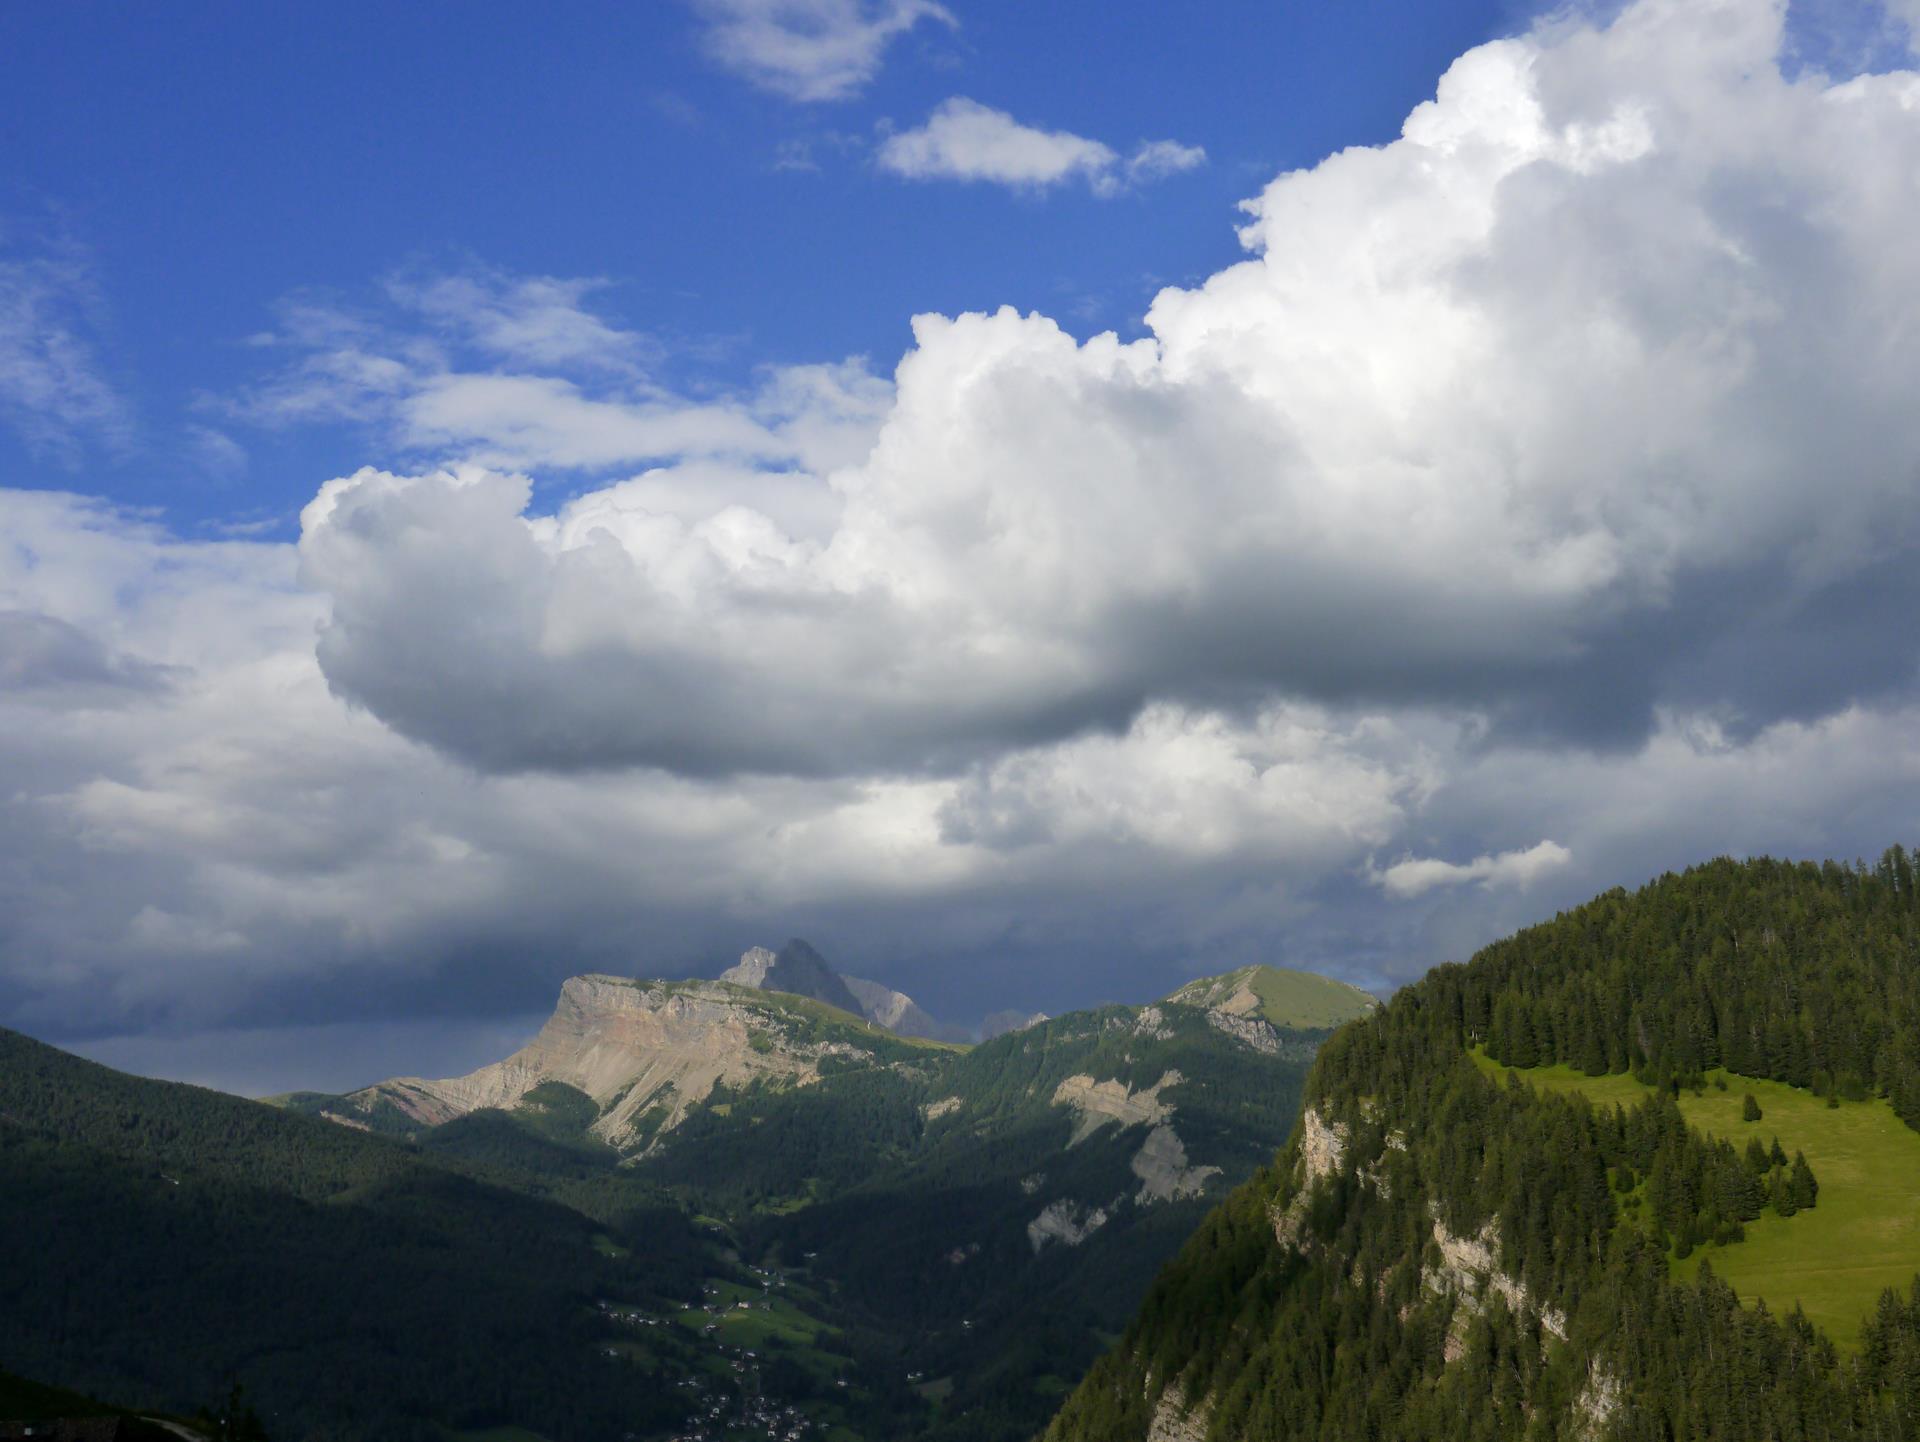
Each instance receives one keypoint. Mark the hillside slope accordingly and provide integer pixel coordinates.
(159, 1241)
(1445, 1253)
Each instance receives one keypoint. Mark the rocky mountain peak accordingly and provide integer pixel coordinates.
(797, 969)
(803, 971)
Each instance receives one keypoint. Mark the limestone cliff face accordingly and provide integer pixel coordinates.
(632, 1046)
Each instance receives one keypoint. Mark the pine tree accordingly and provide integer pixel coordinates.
(1749, 1109)
(1805, 1189)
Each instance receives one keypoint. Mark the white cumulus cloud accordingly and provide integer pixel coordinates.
(1518, 413)
(965, 140)
(1418, 874)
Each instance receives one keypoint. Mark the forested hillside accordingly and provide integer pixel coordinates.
(159, 1242)
(1453, 1250)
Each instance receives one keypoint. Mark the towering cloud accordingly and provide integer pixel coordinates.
(1585, 398)
(1548, 472)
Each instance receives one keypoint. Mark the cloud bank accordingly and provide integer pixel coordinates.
(1549, 472)
(1585, 400)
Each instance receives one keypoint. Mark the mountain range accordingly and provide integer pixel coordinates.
(1644, 1171)
(683, 1204)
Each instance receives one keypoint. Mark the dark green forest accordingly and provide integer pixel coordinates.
(1804, 974)
(160, 1242)
(921, 1224)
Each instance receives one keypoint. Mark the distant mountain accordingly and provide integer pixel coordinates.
(999, 1023)
(797, 969)
(800, 970)
(896, 1011)
(988, 1217)
(645, 1053)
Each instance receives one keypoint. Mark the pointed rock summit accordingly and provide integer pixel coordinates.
(799, 969)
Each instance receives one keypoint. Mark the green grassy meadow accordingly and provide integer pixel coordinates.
(1303, 999)
(1834, 1260)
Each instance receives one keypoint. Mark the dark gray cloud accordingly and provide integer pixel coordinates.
(46, 660)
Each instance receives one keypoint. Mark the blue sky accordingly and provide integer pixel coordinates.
(485, 496)
(208, 163)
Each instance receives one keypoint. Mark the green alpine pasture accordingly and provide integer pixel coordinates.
(1297, 999)
(1834, 1260)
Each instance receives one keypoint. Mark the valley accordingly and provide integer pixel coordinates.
(739, 1209)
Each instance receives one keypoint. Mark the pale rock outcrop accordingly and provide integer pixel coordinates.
(1322, 1147)
(1101, 1102)
(1469, 1271)
(1249, 1030)
(1597, 1404)
(1175, 1421)
(630, 1046)
(946, 1106)
(1065, 1222)
(755, 965)
(1151, 1024)
(1161, 1165)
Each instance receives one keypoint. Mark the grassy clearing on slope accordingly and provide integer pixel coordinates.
(1835, 1260)
(1304, 999)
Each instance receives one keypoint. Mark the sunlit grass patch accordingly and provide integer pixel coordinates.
(1833, 1260)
